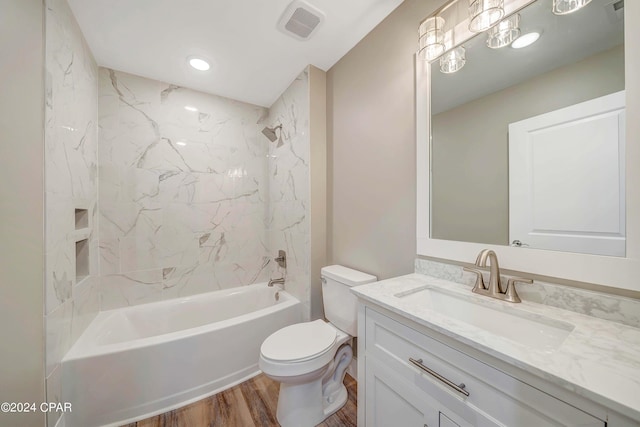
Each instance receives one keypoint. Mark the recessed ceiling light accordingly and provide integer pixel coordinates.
(190, 108)
(199, 64)
(525, 40)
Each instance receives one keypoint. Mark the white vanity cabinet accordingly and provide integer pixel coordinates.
(397, 389)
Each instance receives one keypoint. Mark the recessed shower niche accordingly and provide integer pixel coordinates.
(81, 218)
(82, 259)
(81, 239)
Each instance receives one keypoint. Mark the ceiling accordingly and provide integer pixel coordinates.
(252, 61)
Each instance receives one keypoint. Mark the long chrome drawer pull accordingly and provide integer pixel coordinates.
(456, 387)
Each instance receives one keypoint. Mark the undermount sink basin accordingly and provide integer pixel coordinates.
(529, 329)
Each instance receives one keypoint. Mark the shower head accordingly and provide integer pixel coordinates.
(271, 133)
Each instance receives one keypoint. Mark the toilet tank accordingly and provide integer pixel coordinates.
(340, 305)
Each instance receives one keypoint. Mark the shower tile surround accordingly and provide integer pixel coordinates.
(71, 183)
(289, 189)
(196, 201)
(183, 194)
(597, 304)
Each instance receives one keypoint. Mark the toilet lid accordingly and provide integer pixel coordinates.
(299, 342)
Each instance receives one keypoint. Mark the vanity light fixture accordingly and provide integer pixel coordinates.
(525, 40)
(199, 63)
(504, 33)
(453, 60)
(564, 7)
(431, 38)
(484, 14)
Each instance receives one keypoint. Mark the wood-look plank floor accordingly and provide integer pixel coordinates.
(252, 403)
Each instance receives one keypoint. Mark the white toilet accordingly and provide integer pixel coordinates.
(310, 359)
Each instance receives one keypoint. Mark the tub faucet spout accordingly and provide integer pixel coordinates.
(279, 281)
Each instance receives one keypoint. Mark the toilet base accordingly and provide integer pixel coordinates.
(300, 405)
(306, 404)
(338, 400)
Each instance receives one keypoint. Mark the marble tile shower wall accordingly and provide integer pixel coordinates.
(71, 145)
(183, 191)
(289, 188)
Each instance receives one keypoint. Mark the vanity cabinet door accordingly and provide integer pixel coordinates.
(391, 402)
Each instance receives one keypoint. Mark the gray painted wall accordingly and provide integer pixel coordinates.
(371, 147)
(318, 183)
(470, 163)
(22, 209)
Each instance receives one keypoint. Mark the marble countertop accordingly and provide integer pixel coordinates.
(599, 359)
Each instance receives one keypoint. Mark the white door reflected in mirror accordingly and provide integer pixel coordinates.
(566, 178)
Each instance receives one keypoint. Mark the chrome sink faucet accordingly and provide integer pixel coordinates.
(494, 290)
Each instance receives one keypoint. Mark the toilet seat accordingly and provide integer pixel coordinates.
(299, 343)
(300, 350)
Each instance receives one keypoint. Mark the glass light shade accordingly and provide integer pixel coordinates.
(431, 38)
(453, 60)
(504, 33)
(563, 7)
(484, 14)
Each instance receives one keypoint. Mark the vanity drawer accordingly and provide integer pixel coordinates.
(492, 394)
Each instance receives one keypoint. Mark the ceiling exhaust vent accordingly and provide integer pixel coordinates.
(300, 20)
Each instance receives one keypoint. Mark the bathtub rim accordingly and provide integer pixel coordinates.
(86, 346)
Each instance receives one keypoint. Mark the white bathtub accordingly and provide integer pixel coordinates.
(143, 360)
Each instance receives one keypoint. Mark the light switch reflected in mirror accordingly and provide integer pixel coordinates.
(569, 170)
